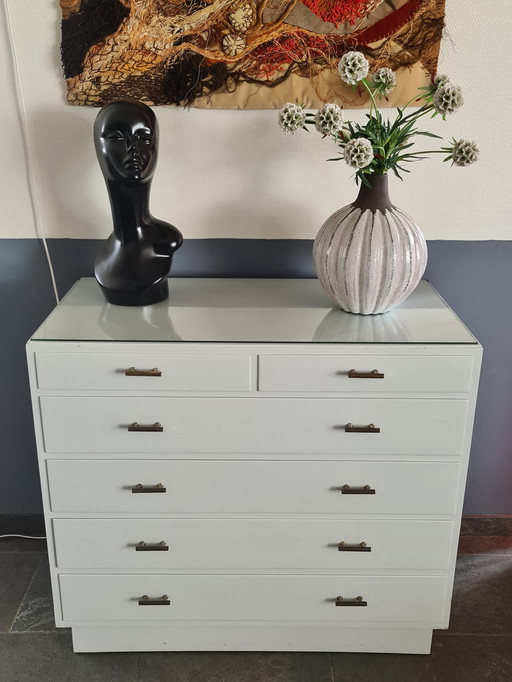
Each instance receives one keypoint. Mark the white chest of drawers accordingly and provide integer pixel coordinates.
(246, 468)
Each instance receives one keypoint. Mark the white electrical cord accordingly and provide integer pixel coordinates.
(27, 149)
(29, 537)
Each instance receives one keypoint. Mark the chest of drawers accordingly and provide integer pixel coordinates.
(246, 468)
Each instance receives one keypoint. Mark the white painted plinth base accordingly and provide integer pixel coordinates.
(215, 638)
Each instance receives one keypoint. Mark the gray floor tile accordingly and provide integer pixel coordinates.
(35, 613)
(482, 596)
(234, 667)
(22, 545)
(50, 658)
(454, 658)
(472, 658)
(16, 571)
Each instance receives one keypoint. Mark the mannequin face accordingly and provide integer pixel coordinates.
(125, 137)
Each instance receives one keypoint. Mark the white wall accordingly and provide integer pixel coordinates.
(16, 213)
(234, 173)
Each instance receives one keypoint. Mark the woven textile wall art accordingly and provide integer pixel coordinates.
(243, 54)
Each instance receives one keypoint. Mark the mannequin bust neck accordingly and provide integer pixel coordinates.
(130, 209)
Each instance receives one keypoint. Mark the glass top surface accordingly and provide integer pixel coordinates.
(249, 311)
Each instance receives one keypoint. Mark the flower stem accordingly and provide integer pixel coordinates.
(370, 92)
(412, 100)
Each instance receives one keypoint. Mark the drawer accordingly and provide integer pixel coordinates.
(258, 426)
(403, 599)
(106, 372)
(415, 374)
(197, 486)
(251, 544)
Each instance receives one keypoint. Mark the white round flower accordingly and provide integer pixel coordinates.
(385, 80)
(358, 153)
(353, 67)
(292, 117)
(441, 79)
(447, 98)
(465, 152)
(329, 119)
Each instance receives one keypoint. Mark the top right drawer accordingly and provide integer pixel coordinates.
(365, 373)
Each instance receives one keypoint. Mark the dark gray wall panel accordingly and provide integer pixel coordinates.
(26, 298)
(198, 258)
(475, 278)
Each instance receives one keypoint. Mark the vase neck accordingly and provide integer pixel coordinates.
(375, 197)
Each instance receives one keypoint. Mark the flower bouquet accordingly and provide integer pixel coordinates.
(381, 145)
(370, 255)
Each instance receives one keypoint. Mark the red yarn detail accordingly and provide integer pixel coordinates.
(389, 24)
(305, 48)
(338, 11)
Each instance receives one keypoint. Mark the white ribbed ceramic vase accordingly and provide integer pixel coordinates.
(369, 256)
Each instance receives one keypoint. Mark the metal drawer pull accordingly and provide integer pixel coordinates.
(361, 547)
(135, 426)
(374, 374)
(161, 601)
(157, 547)
(358, 601)
(158, 488)
(371, 428)
(363, 490)
(132, 372)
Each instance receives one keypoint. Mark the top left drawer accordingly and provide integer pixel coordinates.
(143, 372)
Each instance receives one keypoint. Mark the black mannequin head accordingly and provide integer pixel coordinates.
(126, 141)
(133, 264)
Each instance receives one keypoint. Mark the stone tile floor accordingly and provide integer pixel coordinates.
(477, 647)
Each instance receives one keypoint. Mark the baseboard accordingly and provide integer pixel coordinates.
(22, 524)
(486, 526)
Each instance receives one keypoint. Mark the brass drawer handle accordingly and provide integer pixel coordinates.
(160, 601)
(374, 374)
(157, 547)
(158, 488)
(371, 428)
(133, 372)
(358, 601)
(361, 547)
(362, 490)
(156, 427)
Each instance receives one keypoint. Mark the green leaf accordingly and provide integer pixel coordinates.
(363, 179)
(422, 132)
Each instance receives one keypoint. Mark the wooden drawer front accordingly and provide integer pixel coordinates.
(403, 599)
(104, 371)
(254, 425)
(251, 544)
(420, 374)
(252, 486)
